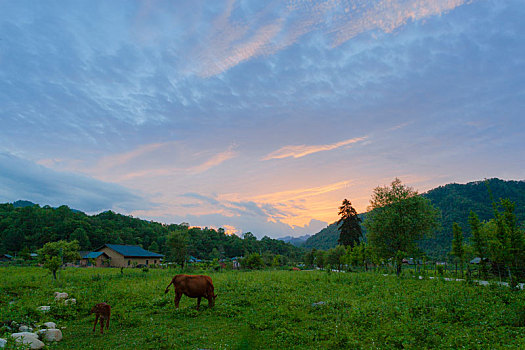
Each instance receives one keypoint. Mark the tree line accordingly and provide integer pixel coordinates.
(454, 201)
(26, 229)
(399, 218)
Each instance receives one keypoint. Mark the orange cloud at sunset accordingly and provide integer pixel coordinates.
(304, 150)
(305, 204)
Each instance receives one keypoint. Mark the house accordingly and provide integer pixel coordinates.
(129, 255)
(193, 259)
(96, 259)
(235, 262)
(478, 260)
(6, 257)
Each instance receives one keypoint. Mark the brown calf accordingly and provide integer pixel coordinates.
(198, 286)
(102, 311)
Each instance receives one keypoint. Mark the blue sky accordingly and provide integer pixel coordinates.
(256, 116)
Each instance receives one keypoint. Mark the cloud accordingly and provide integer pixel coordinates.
(302, 193)
(234, 39)
(153, 160)
(22, 179)
(304, 150)
(236, 208)
(214, 161)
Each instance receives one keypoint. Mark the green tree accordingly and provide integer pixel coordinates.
(178, 245)
(154, 247)
(81, 236)
(253, 261)
(397, 219)
(309, 257)
(349, 225)
(54, 254)
(334, 256)
(320, 258)
(458, 248)
(215, 254)
(478, 241)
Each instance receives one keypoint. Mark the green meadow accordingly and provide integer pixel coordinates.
(267, 310)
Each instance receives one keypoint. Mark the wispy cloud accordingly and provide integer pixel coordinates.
(298, 151)
(279, 25)
(123, 158)
(214, 161)
(156, 160)
(301, 193)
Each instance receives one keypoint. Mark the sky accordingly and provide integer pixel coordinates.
(255, 116)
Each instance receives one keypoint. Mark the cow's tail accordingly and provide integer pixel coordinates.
(168, 287)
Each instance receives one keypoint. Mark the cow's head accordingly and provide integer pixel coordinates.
(213, 300)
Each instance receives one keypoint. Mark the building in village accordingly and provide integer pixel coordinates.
(129, 255)
(6, 257)
(95, 259)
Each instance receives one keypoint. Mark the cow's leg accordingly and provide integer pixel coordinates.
(198, 302)
(177, 299)
(107, 323)
(101, 325)
(96, 320)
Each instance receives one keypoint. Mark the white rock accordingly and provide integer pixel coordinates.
(60, 296)
(50, 325)
(71, 301)
(28, 338)
(44, 308)
(3, 343)
(52, 334)
(23, 328)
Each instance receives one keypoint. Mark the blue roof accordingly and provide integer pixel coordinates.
(132, 251)
(92, 255)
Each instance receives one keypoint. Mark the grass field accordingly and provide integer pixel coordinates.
(268, 310)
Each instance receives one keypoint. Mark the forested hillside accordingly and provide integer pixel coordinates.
(324, 239)
(28, 227)
(455, 202)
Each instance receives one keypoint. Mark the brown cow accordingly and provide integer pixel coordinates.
(103, 311)
(197, 286)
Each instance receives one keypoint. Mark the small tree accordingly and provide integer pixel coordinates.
(253, 261)
(178, 244)
(320, 258)
(154, 247)
(397, 219)
(309, 257)
(334, 255)
(348, 225)
(54, 254)
(458, 249)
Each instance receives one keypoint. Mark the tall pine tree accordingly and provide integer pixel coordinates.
(348, 225)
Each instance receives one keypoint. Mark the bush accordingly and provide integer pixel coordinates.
(253, 261)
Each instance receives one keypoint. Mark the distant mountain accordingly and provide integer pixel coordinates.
(22, 204)
(296, 241)
(455, 202)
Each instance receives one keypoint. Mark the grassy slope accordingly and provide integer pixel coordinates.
(270, 309)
